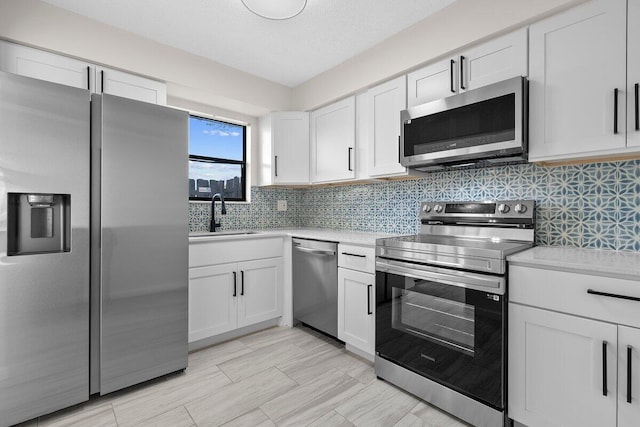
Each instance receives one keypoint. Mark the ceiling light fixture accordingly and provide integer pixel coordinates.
(275, 9)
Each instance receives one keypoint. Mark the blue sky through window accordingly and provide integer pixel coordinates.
(215, 139)
(212, 138)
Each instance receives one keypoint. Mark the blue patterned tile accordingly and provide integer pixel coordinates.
(593, 205)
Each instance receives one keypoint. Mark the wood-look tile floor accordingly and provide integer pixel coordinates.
(276, 377)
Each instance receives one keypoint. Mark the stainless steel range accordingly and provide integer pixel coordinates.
(441, 305)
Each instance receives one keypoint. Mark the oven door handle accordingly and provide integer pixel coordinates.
(452, 277)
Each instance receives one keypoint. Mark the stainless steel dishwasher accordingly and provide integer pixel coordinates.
(315, 284)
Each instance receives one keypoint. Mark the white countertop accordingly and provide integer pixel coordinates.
(341, 236)
(624, 265)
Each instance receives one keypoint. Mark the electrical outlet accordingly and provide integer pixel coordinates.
(282, 205)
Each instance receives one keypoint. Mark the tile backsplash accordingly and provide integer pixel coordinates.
(593, 205)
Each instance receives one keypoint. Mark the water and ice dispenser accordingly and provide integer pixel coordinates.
(38, 223)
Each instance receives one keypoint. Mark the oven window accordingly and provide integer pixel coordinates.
(450, 334)
(440, 319)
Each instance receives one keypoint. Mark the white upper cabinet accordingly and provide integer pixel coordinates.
(633, 74)
(435, 81)
(42, 65)
(496, 60)
(486, 63)
(38, 64)
(114, 82)
(384, 103)
(284, 148)
(577, 73)
(333, 142)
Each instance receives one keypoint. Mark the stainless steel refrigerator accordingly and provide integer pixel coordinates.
(93, 245)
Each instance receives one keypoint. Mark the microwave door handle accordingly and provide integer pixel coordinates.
(452, 64)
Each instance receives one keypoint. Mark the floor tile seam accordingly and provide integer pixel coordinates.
(190, 416)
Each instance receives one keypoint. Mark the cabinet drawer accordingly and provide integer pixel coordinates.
(360, 258)
(573, 293)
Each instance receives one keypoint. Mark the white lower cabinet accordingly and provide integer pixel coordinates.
(356, 310)
(356, 298)
(233, 284)
(212, 306)
(574, 349)
(556, 369)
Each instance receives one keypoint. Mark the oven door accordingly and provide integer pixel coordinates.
(440, 324)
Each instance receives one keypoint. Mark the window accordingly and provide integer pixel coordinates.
(217, 159)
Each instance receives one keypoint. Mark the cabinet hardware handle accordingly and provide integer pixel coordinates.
(604, 368)
(369, 299)
(101, 81)
(637, 108)
(235, 282)
(607, 294)
(241, 282)
(276, 161)
(350, 254)
(615, 111)
(451, 65)
(462, 73)
(349, 156)
(88, 77)
(400, 146)
(629, 350)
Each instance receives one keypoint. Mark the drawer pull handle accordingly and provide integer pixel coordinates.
(607, 294)
(629, 350)
(604, 368)
(357, 255)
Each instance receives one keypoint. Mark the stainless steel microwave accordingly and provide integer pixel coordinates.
(486, 126)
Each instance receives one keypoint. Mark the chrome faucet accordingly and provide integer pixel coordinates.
(215, 224)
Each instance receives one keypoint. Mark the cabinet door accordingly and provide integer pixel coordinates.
(356, 309)
(130, 86)
(628, 355)
(577, 60)
(435, 81)
(333, 142)
(212, 304)
(556, 369)
(38, 64)
(494, 61)
(290, 137)
(260, 290)
(633, 75)
(384, 105)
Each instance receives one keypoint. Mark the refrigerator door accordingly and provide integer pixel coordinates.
(44, 286)
(140, 160)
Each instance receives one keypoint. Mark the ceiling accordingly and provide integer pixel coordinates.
(288, 52)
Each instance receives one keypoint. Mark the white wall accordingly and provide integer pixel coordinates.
(188, 76)
(460, 24)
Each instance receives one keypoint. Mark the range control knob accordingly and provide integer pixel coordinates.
(437, 208)
(520, 208)
(426, 209)
(503, 209)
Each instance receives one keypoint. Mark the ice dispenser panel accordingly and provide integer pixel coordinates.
(38, 223)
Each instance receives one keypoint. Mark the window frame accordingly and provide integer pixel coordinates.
(219, 160)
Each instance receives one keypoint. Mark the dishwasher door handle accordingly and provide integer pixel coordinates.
(314, 251)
